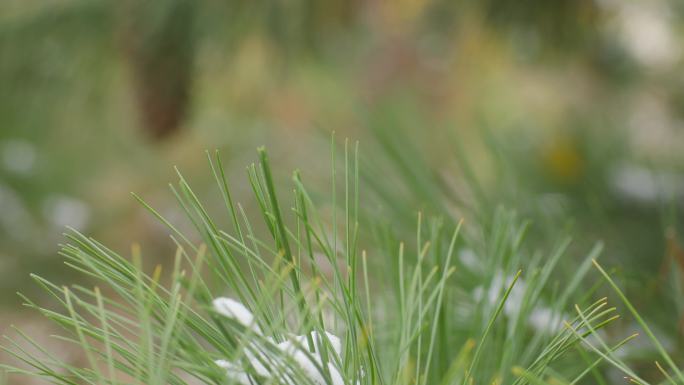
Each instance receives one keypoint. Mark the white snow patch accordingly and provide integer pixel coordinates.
(296, 347)
(231, 308)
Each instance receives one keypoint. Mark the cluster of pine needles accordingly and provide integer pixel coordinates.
(325, 291)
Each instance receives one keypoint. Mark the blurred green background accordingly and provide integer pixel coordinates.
(570, 111)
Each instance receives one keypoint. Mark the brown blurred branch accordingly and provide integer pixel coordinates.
(158, 42)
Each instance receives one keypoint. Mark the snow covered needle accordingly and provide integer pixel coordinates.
(231, 308)
(293, 357)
